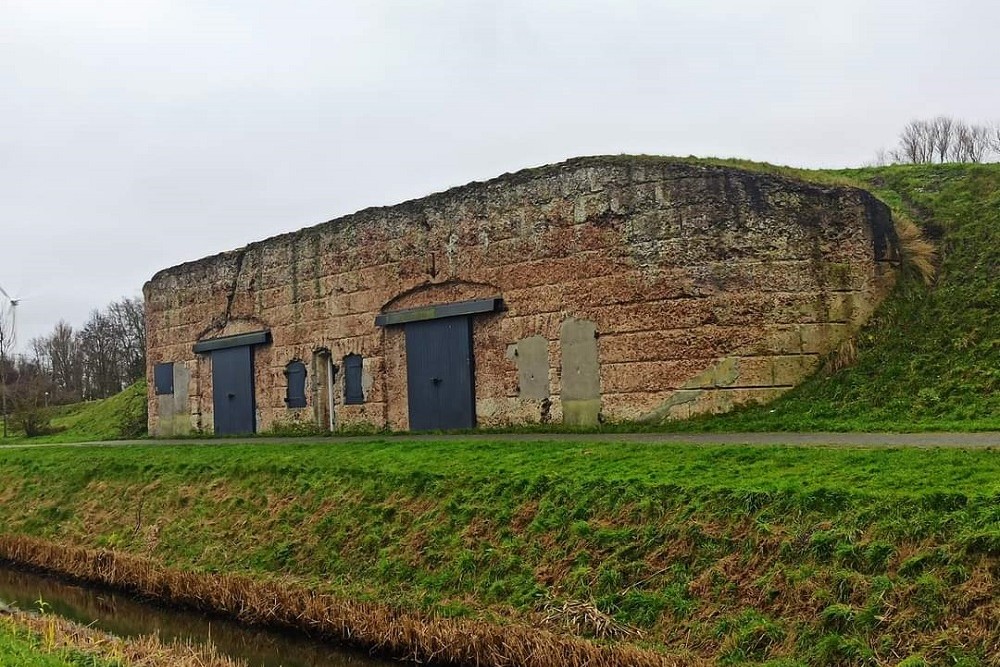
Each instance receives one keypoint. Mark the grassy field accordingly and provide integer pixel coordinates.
(741, 555)
(732, 555)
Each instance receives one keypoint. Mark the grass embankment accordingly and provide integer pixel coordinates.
(121, 416)
(735, 555)
(48, 641)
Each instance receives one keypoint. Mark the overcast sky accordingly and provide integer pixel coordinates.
(136, 134)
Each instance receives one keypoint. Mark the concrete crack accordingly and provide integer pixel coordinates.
(240, 256)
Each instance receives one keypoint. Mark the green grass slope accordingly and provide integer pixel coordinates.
(120, 416)
(735, 555)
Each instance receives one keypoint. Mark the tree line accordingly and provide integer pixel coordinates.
(99, 360)
(68, 365)
(943, 139)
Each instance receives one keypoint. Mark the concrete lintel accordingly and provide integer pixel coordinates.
(438, 311)
(239, 340)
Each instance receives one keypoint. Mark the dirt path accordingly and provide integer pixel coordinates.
(978, 440)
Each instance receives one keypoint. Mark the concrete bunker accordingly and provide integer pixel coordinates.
(606, 288)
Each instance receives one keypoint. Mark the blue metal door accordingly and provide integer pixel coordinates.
(232, 390)
(439, 374)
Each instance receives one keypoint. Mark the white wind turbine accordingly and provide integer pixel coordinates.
(7, 340)
(13, 313)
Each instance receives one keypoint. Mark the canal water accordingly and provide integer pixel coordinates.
(126, 617)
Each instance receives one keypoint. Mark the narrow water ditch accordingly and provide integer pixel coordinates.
(127, 617)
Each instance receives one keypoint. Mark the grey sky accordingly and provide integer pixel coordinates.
(136, 134)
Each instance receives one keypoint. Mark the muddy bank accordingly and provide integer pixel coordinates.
(384, 630)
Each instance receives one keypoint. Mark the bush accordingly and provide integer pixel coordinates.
(33, 421)
(31, 415)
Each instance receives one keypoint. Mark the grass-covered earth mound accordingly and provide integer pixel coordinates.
(734, 555)
(121, 416)
(929, 359)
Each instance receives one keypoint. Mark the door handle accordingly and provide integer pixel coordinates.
(436, 380)
(231, 395)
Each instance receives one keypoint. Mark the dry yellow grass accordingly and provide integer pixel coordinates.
(845, 356)
(916, 252)
(57, 633)
(584, 618)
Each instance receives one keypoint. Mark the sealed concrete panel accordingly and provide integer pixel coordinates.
(182, 411)
(532, 358)
(173, 409)
(164, 408)
(581, 376)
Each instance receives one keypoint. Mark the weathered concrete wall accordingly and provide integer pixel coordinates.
(705, 287)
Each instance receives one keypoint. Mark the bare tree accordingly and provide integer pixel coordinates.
(30, 397)
(113, 348)
(972, 142)
(61, 357)
(128, 317)
(917, 142)
(99, 360)
(994, 133)
(943, 126)
(102, 376)
(943, 139)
